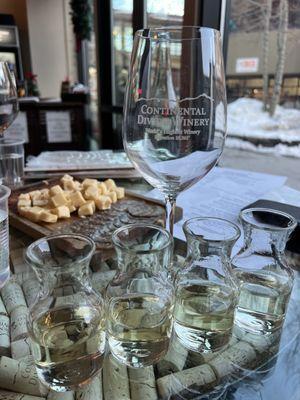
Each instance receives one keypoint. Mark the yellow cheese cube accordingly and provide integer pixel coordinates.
(61, 211)
(103, 202)
(23, 210)
(113, 196)
(102, 188)
(24, 203)
(33, 213)
(110, 184)
(120, 192)
(89, 182)
(34, 193)
(69, 185)
(66, 177)
(93, 204)
(55, 190)
(77, 199)
(86, 209)
(91, 193)
(24, 196)
(71, 207)
(45, 193)
(59, 200)
(78, 185)
(39, 202)
(47, 216)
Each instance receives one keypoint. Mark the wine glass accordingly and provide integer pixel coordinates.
(174, 123)
(8, 97)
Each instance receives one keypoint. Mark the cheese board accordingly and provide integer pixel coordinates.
(133, 208)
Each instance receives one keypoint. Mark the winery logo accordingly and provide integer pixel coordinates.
(168, 117)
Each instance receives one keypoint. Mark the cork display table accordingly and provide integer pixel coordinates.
(250, 368)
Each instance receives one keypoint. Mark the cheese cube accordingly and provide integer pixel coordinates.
(23, 210)
(55, 190)
(91, 193)
(47, 216)
(69, 185)
(24, 203)
(113, 196)
(45, 193)
(78, 185)
(120, 192)
(110, 184)
(61, 212)
(70, 206)
(103, 202)
(59, 200)
(77, 199)
(39, 202)
(86, 209)
(89, 182)
(33, 213)
(102, 188)
(34, 193)
(24, 196)
(93, 204)
(66, 177)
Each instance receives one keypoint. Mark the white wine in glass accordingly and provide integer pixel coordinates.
(174, 123)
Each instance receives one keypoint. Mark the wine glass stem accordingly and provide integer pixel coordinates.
(170, 213)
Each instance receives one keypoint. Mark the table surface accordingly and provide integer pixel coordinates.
(273, 373)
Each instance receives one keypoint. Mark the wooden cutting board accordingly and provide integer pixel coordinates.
(134, 208)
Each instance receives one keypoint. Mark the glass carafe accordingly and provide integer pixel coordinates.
(265, 278)
(206, 292)
(66, 323)
(139, 299)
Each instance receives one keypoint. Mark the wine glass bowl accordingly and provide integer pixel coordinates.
(174, 123)
(8, 98)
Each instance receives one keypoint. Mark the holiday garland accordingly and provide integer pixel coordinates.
(81, 13)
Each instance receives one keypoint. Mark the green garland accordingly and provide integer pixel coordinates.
(82, 19)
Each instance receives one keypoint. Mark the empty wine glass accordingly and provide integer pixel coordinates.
(174, 122)
(8, 97)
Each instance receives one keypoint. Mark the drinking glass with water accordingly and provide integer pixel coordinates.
(4, 237)
(11, 162)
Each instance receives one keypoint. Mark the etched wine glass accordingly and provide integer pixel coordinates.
(174, 123)
(9, 106)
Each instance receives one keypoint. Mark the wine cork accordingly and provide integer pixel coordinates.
(115, 380)
(31, 289)
(2, 308)
(93, 391)
(4, 395)
(4, 336)
(24, 276)
(232, 360)
(18, 323)
(142, 383)
(20, 348)
(20, 376)
(12, 296)
(60, 396)
(101, 279)
(199, 377)
(174, 360)
(17, 261)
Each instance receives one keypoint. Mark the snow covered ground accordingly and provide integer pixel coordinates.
(251, 128)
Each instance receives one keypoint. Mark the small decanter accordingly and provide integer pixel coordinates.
(205, 290)
(265, 278)
(66, 323)
(139, 299)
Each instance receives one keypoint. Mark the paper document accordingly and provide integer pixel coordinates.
(223, 193)
(58, 127)
(18, 129)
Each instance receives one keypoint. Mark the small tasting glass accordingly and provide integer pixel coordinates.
(66, 322)
(139, 299)
(4, 235)
(11, 162)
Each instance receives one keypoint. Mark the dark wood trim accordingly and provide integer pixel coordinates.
(138, 15)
